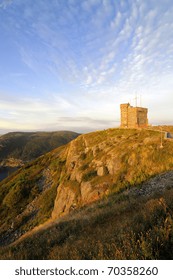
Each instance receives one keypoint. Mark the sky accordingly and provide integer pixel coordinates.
(68, 64)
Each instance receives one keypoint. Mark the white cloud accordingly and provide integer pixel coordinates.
(88, 4)
(95, 49)
(26, 110)
(114, 24)
(28, 59)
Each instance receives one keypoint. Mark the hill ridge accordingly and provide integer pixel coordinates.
(90, 168)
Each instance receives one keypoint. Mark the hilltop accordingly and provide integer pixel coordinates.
(19, 147)
(106, 181)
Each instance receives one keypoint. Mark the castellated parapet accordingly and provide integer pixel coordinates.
(133, 117)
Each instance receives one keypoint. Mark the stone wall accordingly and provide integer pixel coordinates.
(124, 114)
(133, 117)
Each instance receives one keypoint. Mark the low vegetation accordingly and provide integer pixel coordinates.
(86, 186)
(118, 227)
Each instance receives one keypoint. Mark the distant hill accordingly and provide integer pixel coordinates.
(97, 197)
(18, 147)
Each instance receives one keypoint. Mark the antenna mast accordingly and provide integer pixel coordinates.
(136, 99)
(140, 100)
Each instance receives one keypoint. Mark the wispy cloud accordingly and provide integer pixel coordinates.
(149, 57)
(91, 55)
(23, 115)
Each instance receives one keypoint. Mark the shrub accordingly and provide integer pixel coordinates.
(88, 176)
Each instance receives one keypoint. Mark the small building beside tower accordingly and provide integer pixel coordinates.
(133, 117)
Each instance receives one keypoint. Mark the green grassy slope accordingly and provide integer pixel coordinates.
(119, 227)
(95, 166)
(27, 197)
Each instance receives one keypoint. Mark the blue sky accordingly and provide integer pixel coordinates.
(68, 64)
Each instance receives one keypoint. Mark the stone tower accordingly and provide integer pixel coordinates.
(133, 117)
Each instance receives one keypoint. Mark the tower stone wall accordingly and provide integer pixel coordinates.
(133, 117)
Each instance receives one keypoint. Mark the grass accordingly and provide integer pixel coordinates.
(27, 188)
(129, 157)
(119, 227)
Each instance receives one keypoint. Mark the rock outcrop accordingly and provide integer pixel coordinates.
(87, 169)
(99, 163)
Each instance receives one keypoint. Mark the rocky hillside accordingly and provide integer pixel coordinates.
(134, 224)
(109, 161)
(92, 167)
